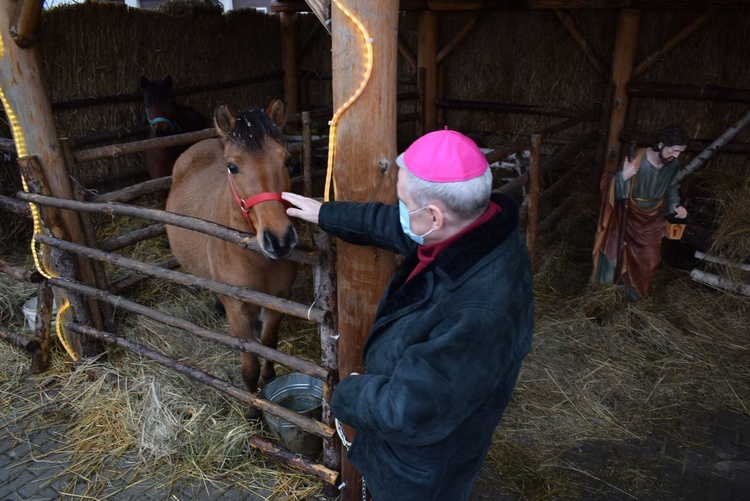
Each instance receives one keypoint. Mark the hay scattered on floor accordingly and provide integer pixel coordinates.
(603, 369)
(606, 369)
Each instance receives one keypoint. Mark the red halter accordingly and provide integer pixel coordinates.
(246, 205)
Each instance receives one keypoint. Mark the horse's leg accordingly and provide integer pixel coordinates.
(244, 323)
(269, 337)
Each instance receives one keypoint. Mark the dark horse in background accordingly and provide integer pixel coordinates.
(236, 180)
(165, 117)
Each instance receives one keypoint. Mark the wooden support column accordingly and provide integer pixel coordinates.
(427, 29)
(626, 43)
(535, 186)
(29, 111)
(364, 170)
(289, 60)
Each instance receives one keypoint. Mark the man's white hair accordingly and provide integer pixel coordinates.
(466, 199)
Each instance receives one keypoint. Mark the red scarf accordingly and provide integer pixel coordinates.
(428, 253)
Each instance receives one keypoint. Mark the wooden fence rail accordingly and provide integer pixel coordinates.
(248, 295)
(239, 238)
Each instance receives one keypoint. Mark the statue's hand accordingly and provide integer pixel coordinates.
(629, 169)
(680, 212)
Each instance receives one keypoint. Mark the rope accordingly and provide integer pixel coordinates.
(363, 83)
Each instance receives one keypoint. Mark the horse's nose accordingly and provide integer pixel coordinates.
(277, 248)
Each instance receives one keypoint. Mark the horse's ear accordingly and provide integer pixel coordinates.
(225, 119)
(168, 81)
(277, 111)
(144, 83)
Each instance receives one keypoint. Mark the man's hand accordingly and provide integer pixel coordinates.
(680, 212)
(308, 208)
(629, 169)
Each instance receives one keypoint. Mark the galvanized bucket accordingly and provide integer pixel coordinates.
(299, 393)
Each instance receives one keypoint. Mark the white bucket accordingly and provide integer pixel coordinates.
(29, 311)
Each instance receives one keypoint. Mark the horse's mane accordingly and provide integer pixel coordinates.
(253, 127)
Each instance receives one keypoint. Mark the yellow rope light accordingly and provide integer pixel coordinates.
(22, 151)
(365, 79)
(61, 334)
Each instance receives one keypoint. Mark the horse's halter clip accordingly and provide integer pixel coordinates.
(246, 205)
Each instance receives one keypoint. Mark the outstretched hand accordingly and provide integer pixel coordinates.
(306, 208)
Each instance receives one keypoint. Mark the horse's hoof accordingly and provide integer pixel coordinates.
(253, 414)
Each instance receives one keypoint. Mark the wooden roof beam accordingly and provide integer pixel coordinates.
(468, 27)
(673, 42)
(577, 35)
(489, 5)
(25, 21)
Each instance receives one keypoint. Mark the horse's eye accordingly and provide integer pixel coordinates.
(233, 169)
(292, 165)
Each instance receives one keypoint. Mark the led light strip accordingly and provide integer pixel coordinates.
(365, 79)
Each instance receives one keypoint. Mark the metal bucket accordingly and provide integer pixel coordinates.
(299, 393)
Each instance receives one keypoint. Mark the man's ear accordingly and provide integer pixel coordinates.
(438, 217)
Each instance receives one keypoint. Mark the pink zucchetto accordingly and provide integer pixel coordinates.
(443, 156)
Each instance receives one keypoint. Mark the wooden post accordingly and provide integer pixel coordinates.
(427, 26)
(626, 43)
(364, 170)
(324, 285)
(289, 60)
(535, 183)
(307, 167)
(29, 111)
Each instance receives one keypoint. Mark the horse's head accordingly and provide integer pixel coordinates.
(257, 163)
(160, 105)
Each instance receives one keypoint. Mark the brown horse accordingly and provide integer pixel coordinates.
(209, 182)
(165, 117)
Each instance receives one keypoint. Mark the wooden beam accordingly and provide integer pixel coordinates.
(463, 33)
(577, 35)
(626, 43)
(680, 91)
(322, 10)
(673, 42)
(363, 171)
(535, 186)
(407, 54)
(427, 33)
(26, 21)
(497, 5)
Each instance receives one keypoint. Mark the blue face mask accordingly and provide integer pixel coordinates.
(405, 217)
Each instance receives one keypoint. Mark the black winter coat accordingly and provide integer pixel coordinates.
(442, 357)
